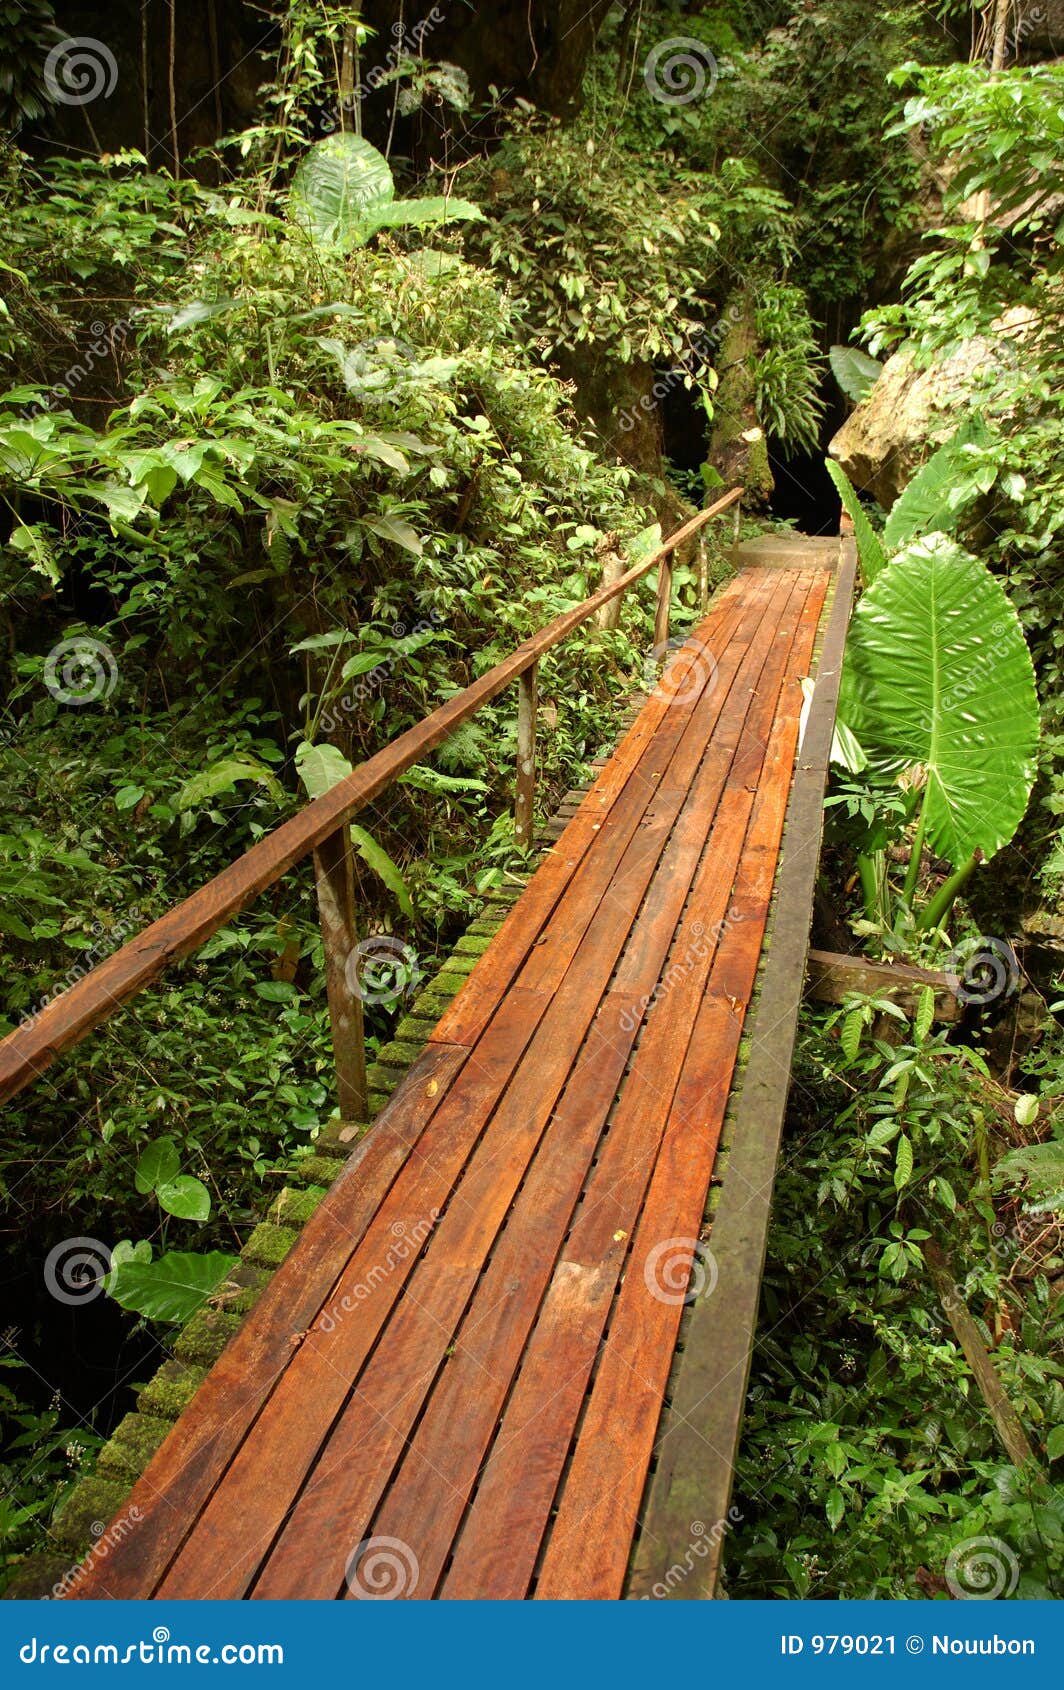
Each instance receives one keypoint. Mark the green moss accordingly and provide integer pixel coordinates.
(400, 1053)
(415, 1027)
(132, 1445)
(432, 1004)
(206, 1335)
(294, 1208)
(269, 1245)
(472, 945)
(323, 1170)
(253, 1280)
(93, 1502)
(37, 1578)
(171, 1390)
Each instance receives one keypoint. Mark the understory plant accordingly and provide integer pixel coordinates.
(870, 1466)
(938, 707)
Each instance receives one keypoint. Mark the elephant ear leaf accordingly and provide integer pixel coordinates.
(869, 546)
(940, 491)
(938, 677)
(340, 183)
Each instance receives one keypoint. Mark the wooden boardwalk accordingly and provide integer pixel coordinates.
(454, 1384)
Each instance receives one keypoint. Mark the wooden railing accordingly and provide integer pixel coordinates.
(321, 828)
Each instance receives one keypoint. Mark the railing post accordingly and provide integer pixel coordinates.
(703, 576)
(334, 881)
(661, 612)
(527, 702)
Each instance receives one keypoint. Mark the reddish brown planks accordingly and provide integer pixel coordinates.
(181, 1475)
(465, 1405)
(574, 960)
(587, 1555)
(496, 1553)
(556, 1132)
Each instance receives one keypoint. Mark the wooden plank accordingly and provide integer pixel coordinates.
(587, 1554)
(710, 1386)
(1007, 1423)
(831, 976)
(496, 1552)
(284, 1453)
(381, 1392)
(367, 1439)
(31, 1048)
(234, 1531)
(614, 806)
(429, 1493)
(182, 1474)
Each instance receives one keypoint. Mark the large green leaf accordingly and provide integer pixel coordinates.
(336, 185)
(158, 1163)
(409, 214)
(855, 372)
(222, 777)
(185, 1197)
(172, 1288)
(320, 767)
(1042, 1165)
(938, 677)
(343, 192)
(377, 858)
(869, 546)
(951, 478)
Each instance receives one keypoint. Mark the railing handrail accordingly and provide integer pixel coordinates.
(27, 1051)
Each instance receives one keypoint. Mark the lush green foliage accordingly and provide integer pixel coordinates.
(868, 1456)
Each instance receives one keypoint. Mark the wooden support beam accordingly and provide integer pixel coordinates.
(1006, 1421)
(831, 976)
(527, 702)
(335, 884)
(663, 607)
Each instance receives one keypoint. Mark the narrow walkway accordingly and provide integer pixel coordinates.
(484, 1407)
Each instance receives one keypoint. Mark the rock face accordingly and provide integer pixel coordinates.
(909, 411)
(1037, 31)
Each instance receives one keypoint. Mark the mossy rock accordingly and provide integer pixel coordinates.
(269, 1245)
(132, 1445)
(171, 1389)
(294, 1208)
(91, 1503)
(205, 1336)
(37, 1578)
